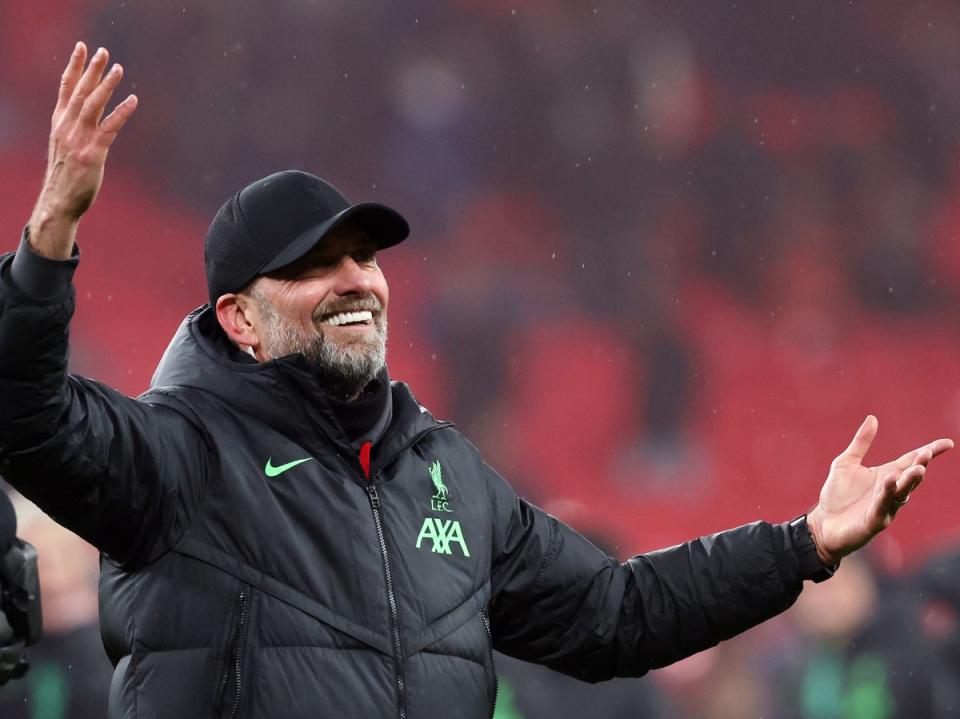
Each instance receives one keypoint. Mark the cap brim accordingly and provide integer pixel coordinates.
(385, 226)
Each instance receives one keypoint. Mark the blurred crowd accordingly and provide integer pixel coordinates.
(862, 646)
(665, 257)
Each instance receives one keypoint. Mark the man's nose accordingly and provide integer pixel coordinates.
(351, 278)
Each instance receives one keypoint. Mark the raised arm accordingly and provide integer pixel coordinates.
(106, 466)
(80, 138)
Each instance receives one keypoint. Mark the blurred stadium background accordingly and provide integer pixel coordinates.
(665, 258)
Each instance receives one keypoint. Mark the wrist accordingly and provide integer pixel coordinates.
(52, 233)
(38, 276)
(811, 564)
(815, 525)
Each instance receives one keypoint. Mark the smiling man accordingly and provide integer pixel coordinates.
(287, 533)
(278, 291)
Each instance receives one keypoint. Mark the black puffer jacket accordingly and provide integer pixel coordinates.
(251, 570)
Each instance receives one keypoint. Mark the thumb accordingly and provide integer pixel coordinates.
(861, 442)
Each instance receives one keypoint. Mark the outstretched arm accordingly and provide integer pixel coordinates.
(857, 502)
(80, 138)
(558, 601)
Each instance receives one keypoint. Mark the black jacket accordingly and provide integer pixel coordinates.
(314, 592)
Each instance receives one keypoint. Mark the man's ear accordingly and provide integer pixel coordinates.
(236, 315)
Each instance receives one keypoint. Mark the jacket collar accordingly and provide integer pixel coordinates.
(282, 393)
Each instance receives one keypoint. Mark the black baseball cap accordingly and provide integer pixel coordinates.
(277, 220)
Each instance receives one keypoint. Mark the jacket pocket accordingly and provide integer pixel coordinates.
(230, 690)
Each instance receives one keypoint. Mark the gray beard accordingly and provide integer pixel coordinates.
(343, 369)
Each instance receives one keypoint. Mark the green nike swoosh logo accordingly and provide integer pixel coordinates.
(272, 471)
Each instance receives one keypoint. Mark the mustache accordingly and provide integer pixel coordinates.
(347, 304)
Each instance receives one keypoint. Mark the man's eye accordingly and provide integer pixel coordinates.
(364, 256)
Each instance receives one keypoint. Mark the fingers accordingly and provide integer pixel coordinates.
(893, 494)
(93, 106)
(896, 489)
(939, 446)
(71, 74)
(862, 440)
(922, 455)
(87, 83)
(907, 482)
(84, 94)
(886, 505)
(113, 122)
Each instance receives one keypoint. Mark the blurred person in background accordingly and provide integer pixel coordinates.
(936, 593)
(529, 691)
(720, 683)
(69, 674)
(226, 591)
(859, 653)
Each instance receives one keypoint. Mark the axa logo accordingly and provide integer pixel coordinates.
(443, 533)
(440, 501)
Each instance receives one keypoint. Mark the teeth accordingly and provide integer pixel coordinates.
(345, 318)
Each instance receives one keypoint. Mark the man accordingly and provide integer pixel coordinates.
(286, 533)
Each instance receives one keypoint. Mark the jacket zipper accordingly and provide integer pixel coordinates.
(374, 496)
(236, 648)
(391, 600)
(496, 680)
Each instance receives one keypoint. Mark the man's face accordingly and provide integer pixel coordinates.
(331, 306)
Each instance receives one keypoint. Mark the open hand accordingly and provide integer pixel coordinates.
(858, 502)
(80, 138)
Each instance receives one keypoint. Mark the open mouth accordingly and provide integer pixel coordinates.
(340, 319)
